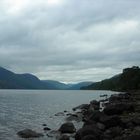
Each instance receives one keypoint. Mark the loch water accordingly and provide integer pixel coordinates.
(21, 109)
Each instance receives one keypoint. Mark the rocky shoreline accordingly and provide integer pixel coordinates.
(115, 118)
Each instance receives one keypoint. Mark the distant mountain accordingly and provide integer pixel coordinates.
(62, 86)
(129, 79)
(51, 84)
(10, 80)
(78, 86)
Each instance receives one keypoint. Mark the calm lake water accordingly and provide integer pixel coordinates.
(21, 109)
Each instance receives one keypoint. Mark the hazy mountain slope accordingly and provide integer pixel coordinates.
(77, 86)
(51, 84)
(11, 80)
(58, 85)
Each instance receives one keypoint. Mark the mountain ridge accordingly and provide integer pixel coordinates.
(11, 80)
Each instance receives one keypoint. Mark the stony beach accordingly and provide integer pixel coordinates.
(117, 119)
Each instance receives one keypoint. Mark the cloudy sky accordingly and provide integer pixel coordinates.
(69, 40)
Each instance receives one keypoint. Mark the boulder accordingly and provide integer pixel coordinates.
(89, 137)
(111, 121)
(94, 102)
(133, 137)
(101, 126)
(83, 106)
(106, 135)
(119, 97)
(88, 130)
(53, 133)
(89, 122)
(112, 133)
(64, 137)
(67, 128)
(28, 133)
(95, 105)
(119, 108)
(107, 121)
(44, 124)
(136, 120)
(136, 130)
(96, 115)
(75, 117)
(130, 125)
(46, 129)
(115, 131)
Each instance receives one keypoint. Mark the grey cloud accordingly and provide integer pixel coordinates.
(80, 38)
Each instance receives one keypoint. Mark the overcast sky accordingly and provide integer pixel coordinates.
(69, 40)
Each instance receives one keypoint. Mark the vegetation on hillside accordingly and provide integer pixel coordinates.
(129, 79)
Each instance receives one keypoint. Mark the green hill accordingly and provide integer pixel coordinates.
(129, 79)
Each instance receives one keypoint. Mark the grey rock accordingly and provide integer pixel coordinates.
(96, 115)
(133, 137)
(67, 128)
(95, 104)
(118, 109)
(64, 137)
(88, 130)
(28, 133)
(136, 120)
(101, 126)
(83, 106)
(111, 121)
(44, 124)
(46, 129)
(89, 137)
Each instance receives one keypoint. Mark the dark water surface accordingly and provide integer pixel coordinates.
(20, 109)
